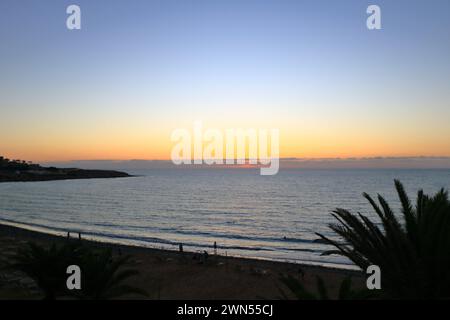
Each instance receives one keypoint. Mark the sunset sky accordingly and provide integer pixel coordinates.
(137, 70)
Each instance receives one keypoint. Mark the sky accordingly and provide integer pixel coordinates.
(137, 70)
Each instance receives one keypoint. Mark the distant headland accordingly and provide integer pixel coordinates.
(19, 170)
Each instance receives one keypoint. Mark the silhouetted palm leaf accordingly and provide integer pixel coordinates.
(104, 276)
(413, 255)
(47, 266)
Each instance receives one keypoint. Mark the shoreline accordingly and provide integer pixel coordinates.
(163, 246)
(162, 271)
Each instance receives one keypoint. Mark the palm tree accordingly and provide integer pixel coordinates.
(103, 276)
(413, 254)
(46, 266)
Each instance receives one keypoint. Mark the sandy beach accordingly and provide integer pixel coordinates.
(174, 275)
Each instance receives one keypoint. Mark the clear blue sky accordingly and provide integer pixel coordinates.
(313, 63)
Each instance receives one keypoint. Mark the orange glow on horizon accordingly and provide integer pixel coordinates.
(114, 140)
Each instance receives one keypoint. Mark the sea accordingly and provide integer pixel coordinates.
(244, 213)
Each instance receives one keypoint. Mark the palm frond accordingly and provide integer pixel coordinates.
(414, 256)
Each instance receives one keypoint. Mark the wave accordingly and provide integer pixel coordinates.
(157, 240)
(215, 235)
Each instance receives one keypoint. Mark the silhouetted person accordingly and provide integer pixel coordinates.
(181, 247)
(301, 273)
(215, 248)
(79, 236)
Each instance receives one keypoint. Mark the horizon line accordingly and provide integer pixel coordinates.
(280, 158)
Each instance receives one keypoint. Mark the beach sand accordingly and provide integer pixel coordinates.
(174, 275)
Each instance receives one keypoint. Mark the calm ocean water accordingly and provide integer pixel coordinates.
(269, 217)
